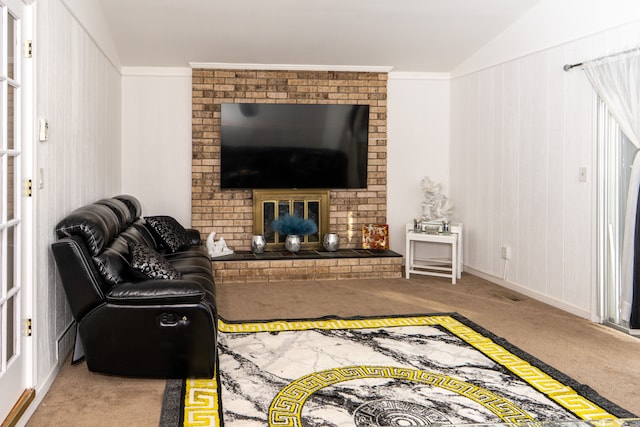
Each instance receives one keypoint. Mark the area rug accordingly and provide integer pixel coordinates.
(438, 369)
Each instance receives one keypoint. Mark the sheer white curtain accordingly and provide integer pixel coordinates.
(617, 81)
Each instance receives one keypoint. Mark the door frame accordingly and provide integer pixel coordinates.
(26, 209)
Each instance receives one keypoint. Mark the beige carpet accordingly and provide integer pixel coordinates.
(605, 359)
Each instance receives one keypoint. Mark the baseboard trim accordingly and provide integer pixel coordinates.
(20, 408)
(41, 392)
(528, 292)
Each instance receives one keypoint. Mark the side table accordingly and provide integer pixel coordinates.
(450, 267)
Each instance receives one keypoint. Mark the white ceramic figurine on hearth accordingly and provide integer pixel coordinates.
(217, 248)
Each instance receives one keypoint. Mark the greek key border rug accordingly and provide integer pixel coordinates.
(438, 369)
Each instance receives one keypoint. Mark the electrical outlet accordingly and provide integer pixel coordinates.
(506, 252)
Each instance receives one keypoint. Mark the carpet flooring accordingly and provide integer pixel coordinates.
(603, 358)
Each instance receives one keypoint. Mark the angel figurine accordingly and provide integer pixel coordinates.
(436, 206)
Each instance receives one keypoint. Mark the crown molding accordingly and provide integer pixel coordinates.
(156, 71)
(402, 75)
(293, 67)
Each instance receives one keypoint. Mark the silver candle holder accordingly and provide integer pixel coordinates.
(258, 244)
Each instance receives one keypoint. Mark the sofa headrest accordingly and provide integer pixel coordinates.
(121, 210)
(97, 224)
(132, 203)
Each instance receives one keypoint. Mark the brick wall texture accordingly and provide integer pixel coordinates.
(307, 269)
(230, 212)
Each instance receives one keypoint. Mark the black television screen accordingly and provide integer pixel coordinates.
(293, 146)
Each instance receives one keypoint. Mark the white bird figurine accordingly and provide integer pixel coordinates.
(211, 245)
(217, 248)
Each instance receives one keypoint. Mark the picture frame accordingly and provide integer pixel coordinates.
(375, 236)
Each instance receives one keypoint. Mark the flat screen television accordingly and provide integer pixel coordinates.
(293, 146)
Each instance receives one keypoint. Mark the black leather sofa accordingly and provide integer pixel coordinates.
(140, 289)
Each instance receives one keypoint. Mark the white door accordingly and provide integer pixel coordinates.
(14, 361)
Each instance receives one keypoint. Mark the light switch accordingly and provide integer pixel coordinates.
(582, 174)
(43, 130)
(41, 178)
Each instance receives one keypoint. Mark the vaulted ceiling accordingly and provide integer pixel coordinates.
(408, 35)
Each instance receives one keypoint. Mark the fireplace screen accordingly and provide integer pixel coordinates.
(269, 205)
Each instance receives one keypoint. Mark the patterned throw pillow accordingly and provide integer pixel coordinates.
(150, 263)
(172, 234)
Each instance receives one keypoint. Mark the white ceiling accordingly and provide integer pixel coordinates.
(408, 35)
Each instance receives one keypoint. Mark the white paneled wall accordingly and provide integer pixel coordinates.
(519, 132)
(78, 91)
(418, 122)
(156, 124)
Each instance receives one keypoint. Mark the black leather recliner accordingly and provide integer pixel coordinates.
(127, 323)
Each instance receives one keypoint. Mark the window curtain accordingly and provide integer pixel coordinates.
(616, 80)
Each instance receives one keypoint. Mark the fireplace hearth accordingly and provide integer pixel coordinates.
(274, 266)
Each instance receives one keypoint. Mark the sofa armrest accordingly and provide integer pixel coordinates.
(152, 292)
(194, 236)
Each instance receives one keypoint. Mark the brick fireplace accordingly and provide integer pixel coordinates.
(230, 212)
